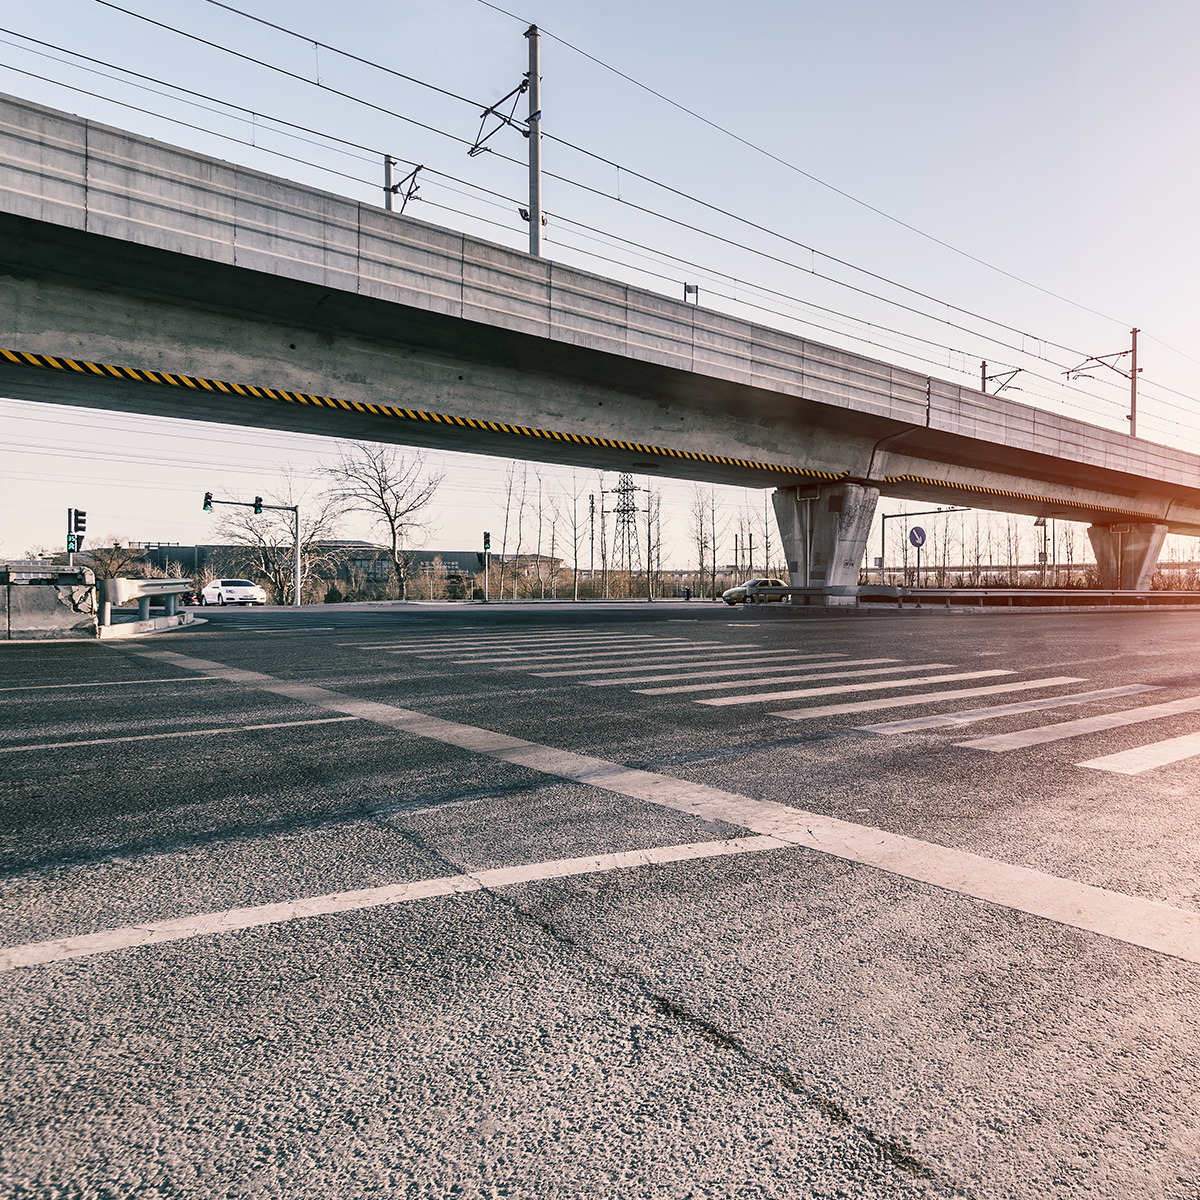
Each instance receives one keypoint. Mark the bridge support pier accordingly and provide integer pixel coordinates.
(824, 531)
(1126, 554)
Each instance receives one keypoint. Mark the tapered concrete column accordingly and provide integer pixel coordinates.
(1126, 554)
(824, 531)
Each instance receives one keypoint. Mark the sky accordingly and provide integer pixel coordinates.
(1020, 174)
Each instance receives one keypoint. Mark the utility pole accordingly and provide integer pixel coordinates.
(649, 543)
(535, 141)
(591, 538)
(388, 193)
(1133, 374)
(296, 559)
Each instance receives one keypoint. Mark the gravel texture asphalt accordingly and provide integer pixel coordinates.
(731, 1020)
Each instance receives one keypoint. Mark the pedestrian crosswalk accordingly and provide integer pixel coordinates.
(721, 674)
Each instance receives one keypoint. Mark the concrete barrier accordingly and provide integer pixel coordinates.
(39, 601)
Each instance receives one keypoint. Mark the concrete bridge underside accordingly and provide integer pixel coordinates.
(139, 277)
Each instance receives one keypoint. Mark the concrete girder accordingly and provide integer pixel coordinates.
(1127, 554)
(119, 249)
(824, 530)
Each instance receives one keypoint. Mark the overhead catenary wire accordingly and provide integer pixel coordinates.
(801, 171)
(430, 170)
(549, 136)
(509, 228)
(1023, 350)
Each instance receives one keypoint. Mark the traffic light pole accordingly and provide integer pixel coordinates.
(258, 506)
(76, 524)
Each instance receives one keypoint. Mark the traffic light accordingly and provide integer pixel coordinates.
(257, 505)
(71, 543)
(208, 501)
(487, 540)
(80, 521)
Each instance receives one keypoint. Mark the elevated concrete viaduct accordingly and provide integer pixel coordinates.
(140, 277)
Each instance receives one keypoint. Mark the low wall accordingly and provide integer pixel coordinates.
(35, 611)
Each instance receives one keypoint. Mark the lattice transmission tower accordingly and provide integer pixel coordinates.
(627, 550)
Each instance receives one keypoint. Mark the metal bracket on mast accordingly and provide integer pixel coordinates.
(502, 119)
(408, 187)
(1110, 361)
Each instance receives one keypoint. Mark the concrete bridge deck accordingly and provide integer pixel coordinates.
(139, 276)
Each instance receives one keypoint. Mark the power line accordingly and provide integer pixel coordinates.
(366, 62)
(645, 178)
(918, 312)
(737, 137)
(616, 166)
(508, 228)
(187, 124)
(258, 62)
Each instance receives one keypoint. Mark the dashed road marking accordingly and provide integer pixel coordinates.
(852, 687)
(949, 694)
(970, 715)
(181, 733)
(573, 656)
(1069, 729)
(723, 660)
(1143, 923)
(154, 933)
(835, 672)
(1146, 758)
(45, 687)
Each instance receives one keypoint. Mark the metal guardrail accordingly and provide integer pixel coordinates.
(813, 597)
(1022, 597)
(119, 591)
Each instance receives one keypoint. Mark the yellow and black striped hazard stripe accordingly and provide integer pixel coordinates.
(163, 378)
(980, 490)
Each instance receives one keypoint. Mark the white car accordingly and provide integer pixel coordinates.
(233, 591)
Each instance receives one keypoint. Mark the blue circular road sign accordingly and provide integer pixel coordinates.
(916, 535)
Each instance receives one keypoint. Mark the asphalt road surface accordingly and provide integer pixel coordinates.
(642, 901)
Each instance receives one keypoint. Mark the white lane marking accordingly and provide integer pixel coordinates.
(857, 706)
(1068, 729)
(486, 644)
(1144, 923)
(43, 687)
(829, 670)
(1146, 758)
(838, 673)
(415, 638)
(154, 933)
(970, 715)
(722, 660)
(235, 628)
(573, 639)
(572, 656)
(148, 737)
(879, 685)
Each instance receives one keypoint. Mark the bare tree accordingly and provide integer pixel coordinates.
(109, 558)
(268, 539)
(393, 487)
(566, 509)
(768, 520)
(1068, 544)
(698, 529)
(713, 507)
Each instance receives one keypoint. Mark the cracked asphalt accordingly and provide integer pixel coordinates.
(766, 1022)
